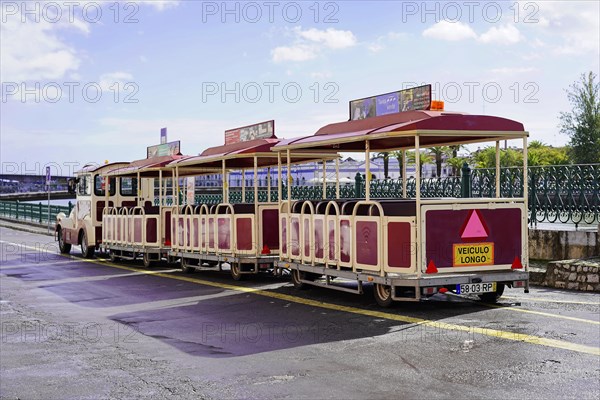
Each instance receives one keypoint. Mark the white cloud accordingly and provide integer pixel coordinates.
(33, 52)
(381, 42)
(375, 47)
(513, 71)
(332, 38)
(320, 75)
(119, 78)
(569, 27)
(505, 35)
(451, 31)
(298, 52)
(160, 5)
(308, 44)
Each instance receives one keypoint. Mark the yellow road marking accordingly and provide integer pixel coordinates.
(587, 321)
(519, 337)
(597, 303)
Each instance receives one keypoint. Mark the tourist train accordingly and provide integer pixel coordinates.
(408, 248)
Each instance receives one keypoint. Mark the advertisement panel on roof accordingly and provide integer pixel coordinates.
(417, 98)
(262, 130)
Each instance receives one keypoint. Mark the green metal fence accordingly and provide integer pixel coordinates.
(31, 212)
(562, 194)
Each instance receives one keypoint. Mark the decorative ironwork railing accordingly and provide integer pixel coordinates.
(564, 194)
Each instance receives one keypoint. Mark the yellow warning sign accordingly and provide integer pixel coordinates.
(473, 254)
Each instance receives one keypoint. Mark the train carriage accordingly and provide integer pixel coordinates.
(409, 248)
(242, 233)
(140, 226)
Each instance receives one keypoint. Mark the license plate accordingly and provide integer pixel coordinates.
(475, 288)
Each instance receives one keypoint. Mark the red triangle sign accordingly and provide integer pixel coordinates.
(475, 227)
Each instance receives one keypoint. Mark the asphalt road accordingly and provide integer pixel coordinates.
(74, 328)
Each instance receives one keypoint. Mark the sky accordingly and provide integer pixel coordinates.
(90, 81)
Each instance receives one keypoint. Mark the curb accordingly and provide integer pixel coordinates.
(26, 228)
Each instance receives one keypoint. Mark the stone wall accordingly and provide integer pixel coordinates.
(574, 275)
(563, 245)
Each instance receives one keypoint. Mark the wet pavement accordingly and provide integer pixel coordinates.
(74, 328)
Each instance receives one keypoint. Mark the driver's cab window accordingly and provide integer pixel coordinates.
(84, 187)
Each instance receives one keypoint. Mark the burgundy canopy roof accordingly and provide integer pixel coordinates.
(143, 165)
(399, 130)
(241, 156)
(96, 167)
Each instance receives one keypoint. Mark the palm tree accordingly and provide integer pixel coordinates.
(439, 153)
(386, 163)
(398, 156)
(454, 153)
(456, 163)
(424, 158)
(536, 144)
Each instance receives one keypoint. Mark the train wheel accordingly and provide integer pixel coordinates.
(65, 248)
(187, 266)
(493, 296)
(86, 250)
(297, 277)
(146, 260)
(382, 294)
(236, 272)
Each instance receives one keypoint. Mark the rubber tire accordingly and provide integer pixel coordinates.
(296, 276)
(382, 295)
(86, 251)
(236, 274)
(146, 260)
(113, 256)
(185, 267)
(65, 248)
(493, 296)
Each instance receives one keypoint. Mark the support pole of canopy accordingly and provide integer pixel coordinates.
(418, 202)
(279, 177)
(324, 179)
(268, 184)
(139, 188)
(497, 168)
(160, 202)
(224, 178)
(243, 186)
(525, 175)
(255, 184)
(289, 178)
(367, 171)
(337, 177)
(525, 256)
(403, 173)
(174, 178)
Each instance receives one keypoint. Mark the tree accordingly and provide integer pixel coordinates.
(398, 156)
(454, 154)
(438, 154)
(456, 163)
(424, 158)
(486, 158)
(582, 124)
(386, 163)
(539, 153)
